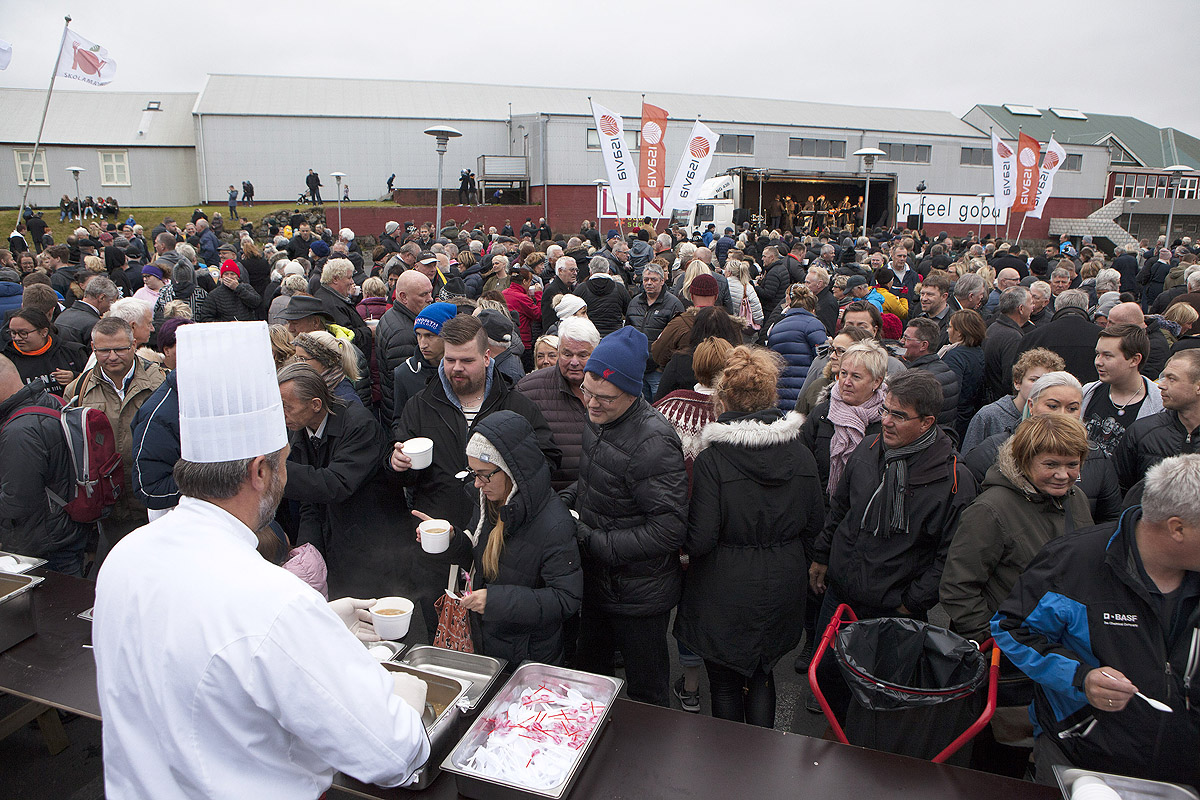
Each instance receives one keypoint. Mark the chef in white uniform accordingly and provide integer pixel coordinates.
(220, 674)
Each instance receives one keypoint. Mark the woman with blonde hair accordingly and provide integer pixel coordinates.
(334, 360)
(1181, 318)
(526, 579)
(281, 345)
(694, 269)
(545, 351)
(751, 512)
(738, 273)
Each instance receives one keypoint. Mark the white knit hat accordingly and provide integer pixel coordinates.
(481, 448)
(568, 306)
(229, 402)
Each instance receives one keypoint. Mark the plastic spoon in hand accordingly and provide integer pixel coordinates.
(1158, 705)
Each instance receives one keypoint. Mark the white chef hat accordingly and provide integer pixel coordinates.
(229, 403)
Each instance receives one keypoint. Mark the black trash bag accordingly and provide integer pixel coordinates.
(916, 686)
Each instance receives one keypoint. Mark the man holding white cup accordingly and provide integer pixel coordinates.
(466, 390)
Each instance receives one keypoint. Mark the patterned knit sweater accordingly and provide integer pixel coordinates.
(688, 411)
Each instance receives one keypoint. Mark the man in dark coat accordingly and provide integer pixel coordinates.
(232, 300)
(1170, 432)
(630, 548)
(650, 311)
(313, 181)
(606, 298)
(77, 321)
(1153, 276)
(892, 517)
(337, 283)
(1070, 334)
(156, 447)
(555, 390)
(395, 339)
(1127, 264)
(1002, 340)
(336, 475)
(920, 341)
(414, 373)
(33, 460)
(827, 304)
(467, 388)
(566, 272)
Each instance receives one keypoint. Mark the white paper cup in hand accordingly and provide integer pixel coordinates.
(435, 535)
(420, 451)
(391, 617)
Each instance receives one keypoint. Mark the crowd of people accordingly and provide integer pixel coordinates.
(652, 439)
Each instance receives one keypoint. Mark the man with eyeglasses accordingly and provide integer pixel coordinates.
(891, 518)
(466, 389)
(631, 498)
(650, 311)
(118, 385)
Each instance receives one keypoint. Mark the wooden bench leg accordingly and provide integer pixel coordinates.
(49, 723)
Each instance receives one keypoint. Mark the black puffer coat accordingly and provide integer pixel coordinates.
(753, 506)
(606, 300)
(1148, 441)
(632, 502)
(228, 305)
(345, 314)
(395, 340)
(408, 379)
(951, 386)
(539, 583)
(34, 458)
(652, 320)
(565, 414)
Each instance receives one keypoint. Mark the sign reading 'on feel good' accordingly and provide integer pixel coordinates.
(950, 209)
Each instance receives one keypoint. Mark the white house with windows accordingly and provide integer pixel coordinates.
(136, 147)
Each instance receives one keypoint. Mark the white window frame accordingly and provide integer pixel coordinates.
(40, 161)
(833, 144)
(593, 140)
(124, 154)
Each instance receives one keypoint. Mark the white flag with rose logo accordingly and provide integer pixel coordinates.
(85, 61)
(693, 169)
(622, 173)
(1051, 162)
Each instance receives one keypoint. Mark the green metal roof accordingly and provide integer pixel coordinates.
(1154, 147)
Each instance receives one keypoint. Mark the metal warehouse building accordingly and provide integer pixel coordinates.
(537, 144)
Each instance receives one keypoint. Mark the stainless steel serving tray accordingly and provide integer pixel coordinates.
(26, 563)
(471, 784)
(479, 671)
(395, 648)
(442, 712)
(16, 608)
(1127, 788)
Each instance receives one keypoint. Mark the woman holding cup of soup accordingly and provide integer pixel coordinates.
(525, 577)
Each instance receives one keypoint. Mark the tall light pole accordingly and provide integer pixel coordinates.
(868, 155)
(1131, 202)
(982, 208)
(443, 134)
(337, 176)
(75, 172)
(1173, 172)
(762, 177)
(600, 183)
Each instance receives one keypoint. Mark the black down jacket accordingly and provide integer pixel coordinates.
(228, 305)
(606, 300)
(880, 573)
(1148, 441)
(951, 385)
(345, 314)
(754, 503)
(539, 582)
(34, 458)
(395, 340)
(565, 414)
(632, 502)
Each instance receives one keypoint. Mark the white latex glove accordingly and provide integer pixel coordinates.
(411, 690)
(354, 614)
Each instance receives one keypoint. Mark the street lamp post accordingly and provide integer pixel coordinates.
(78, 207)
(762, 176)
(1174, 171)
(337, 176)
(600, 183)
(982, 208)
(1131, 202)
(443, 134)
(868, 155)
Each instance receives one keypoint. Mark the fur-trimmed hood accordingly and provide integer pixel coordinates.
(762, 445)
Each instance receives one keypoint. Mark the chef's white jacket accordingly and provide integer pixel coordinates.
(224, 676)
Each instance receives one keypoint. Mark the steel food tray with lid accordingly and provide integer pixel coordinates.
(598, 689)
(394, 649)
(1126, 788)
(16, 608)
(18, 564)
(442, 712)
(479, 671)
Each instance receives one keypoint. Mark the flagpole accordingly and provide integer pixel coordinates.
(42, 127)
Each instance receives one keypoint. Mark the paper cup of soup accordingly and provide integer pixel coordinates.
(420, 451)
(391, 617)
(435, 535)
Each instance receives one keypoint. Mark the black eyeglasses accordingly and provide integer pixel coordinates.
(469, 474)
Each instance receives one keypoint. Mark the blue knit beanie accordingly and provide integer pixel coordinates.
(620, 359)
(434, 316)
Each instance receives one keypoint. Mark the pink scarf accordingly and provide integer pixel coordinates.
(849, 426)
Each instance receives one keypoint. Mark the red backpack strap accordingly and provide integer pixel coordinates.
(53, 413)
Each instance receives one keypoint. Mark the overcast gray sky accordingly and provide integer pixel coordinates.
(1102, 56)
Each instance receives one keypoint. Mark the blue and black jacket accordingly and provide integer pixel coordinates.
(1083, 603)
